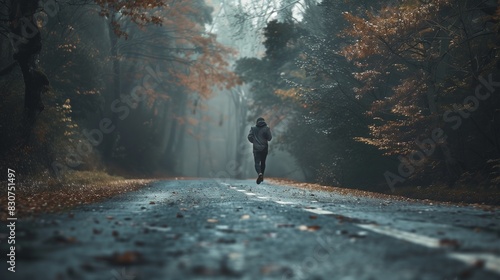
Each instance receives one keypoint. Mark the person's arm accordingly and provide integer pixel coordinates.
(250, 136)
(269, 135)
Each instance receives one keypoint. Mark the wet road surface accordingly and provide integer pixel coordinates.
(207, 229)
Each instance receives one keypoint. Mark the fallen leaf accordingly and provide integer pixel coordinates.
(245, 217)
(152, 202)
(125, 258)
(313, 228)
(449, 243)
(309, 228)
(212, 221)
(285, 225)
(312, 217)
(63, 239)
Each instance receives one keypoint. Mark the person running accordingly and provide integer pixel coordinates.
(259, 136)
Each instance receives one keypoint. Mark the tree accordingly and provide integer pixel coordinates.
(422, 61)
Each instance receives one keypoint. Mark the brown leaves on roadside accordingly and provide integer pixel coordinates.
(449, 243)
(56, 198)
(63, 239)
(309, 228)
(125, 258)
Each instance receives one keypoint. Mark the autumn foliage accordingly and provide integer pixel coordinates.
(421, 62)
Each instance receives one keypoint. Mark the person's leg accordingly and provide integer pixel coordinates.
(263, 158)
(256, 158)
(258, 166)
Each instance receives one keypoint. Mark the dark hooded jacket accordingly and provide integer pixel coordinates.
(259, 135)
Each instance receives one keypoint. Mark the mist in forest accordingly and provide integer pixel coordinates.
(357, 94)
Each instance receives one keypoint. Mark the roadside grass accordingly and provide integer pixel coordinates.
(481, 197)
(34, 196)
(459, 194)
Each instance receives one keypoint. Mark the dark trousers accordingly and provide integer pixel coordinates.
(260, 161)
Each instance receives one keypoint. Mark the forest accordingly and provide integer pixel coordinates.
(392, 96)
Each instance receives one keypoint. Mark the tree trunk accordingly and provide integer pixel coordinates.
(110, 139)
(27, 43)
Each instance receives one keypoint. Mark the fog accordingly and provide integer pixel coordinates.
(171, 89)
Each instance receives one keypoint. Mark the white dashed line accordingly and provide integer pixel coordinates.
(403, 235)
(491, 262)
(319, 211)
(284, 202)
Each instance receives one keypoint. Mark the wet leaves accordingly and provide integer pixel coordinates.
(124, 258)
(309, 228)
(61, 239)
(56, 198)
(452, 243)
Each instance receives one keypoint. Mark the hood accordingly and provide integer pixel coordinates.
(261, 123)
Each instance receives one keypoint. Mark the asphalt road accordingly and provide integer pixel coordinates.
(207, 229)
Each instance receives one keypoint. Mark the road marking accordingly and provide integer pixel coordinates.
(319, 211)
(284, 202)
(403, 235)
(164, 229)
(491, 262)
